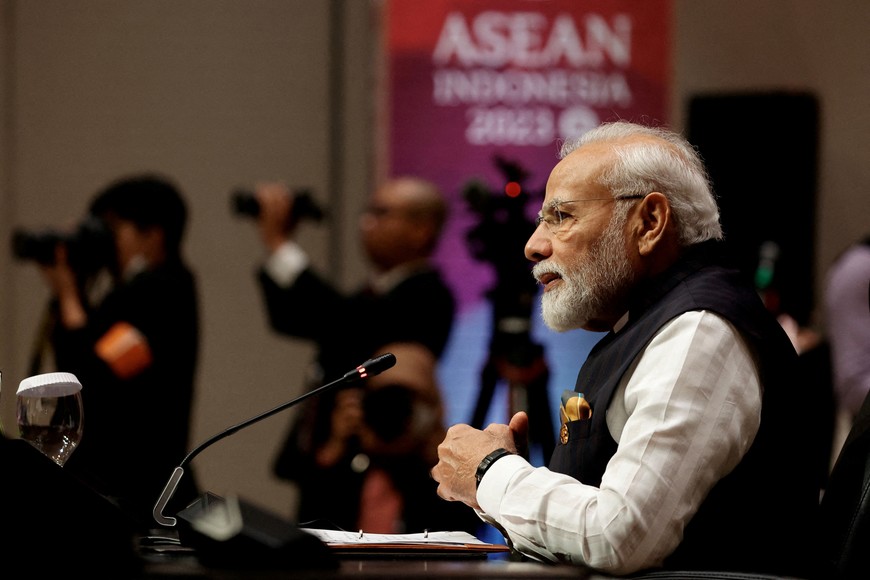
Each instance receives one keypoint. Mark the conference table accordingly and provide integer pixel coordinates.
(370, 568)
(61, 525)
(264, 547)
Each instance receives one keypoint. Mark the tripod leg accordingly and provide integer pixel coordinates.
(488, 380)
(540, 417)
(532, 398)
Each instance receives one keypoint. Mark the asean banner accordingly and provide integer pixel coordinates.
(470, 79)
(474, 83)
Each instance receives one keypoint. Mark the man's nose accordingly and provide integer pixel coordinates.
(538, 247)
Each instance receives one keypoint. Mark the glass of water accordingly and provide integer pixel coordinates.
(50, 415)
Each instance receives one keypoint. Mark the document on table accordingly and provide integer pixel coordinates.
(428, 541)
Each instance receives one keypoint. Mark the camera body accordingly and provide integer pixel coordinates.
(244, 203)
(388, 411)
(90, 246)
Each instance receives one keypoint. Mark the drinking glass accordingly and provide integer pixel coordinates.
(50, 415)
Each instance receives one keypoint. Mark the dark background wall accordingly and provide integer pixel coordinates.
(767, 186)
(222, 93)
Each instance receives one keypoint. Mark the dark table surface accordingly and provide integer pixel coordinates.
(372, 568)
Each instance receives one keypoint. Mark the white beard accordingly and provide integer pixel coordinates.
(588, 287)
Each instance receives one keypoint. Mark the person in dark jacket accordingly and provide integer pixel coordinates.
(404, 302)
(128, 328)
(682, 445)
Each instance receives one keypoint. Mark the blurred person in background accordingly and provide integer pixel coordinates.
(398, 420)
(779, 295)
(328, 453)
(847, 309)
(124, 318)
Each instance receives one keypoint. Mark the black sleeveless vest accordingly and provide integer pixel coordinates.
(759, 517)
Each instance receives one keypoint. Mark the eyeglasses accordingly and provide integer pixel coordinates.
(557, 219)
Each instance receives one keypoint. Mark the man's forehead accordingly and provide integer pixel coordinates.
(390, 197)
(576, 172)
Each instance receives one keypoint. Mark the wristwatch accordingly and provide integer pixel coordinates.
(487, 462)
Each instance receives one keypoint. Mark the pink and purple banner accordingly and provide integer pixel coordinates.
(472, 81)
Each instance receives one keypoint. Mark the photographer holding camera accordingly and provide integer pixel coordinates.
(134, 347)
(345, 450)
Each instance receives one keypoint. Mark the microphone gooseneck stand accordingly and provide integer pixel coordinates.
(370, 368)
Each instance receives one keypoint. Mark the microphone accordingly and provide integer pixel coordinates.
(370, 368)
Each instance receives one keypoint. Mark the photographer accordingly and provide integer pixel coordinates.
(135, 348)
(400, 423)
(405, 301)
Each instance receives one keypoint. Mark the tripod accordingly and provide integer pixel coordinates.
(513, 356)
(521, 362)
(516, 358)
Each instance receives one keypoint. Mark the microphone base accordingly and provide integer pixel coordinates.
(232, 533)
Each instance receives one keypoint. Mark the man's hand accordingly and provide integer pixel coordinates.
(62, 281)
(276, 209)
(464, 448)
(519, 426)
(346, 422)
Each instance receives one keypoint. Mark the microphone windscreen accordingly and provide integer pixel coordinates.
(373, 366)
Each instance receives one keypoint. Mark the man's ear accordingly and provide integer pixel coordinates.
(655, 215)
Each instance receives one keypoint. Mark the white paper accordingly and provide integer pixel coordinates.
(361, 537)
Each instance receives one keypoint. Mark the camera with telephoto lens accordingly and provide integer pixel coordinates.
(90, 246)
(244, 203)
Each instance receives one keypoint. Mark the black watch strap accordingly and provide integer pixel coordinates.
(487, 462)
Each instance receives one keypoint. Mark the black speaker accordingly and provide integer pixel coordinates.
(235, 534)
(761, 150)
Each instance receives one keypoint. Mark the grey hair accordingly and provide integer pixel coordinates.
(668, 164)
